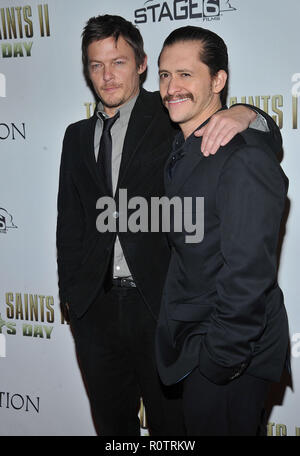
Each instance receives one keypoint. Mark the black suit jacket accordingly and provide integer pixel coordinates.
(83, 253)
(222, 309)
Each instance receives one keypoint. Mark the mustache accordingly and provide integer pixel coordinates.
(111, 86)
(178, 97)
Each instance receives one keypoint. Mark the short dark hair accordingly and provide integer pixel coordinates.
(213, 51)
(101, 27)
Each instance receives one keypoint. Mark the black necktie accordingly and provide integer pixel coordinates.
(105, 150)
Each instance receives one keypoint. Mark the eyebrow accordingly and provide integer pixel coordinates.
(121, 57)
(184, 70)
(115, 58)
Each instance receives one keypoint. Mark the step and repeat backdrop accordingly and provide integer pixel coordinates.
(42, 90)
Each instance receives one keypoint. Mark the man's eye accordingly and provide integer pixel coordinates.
(95, 66)
(163, 75)
(185, 75)
(119, 62)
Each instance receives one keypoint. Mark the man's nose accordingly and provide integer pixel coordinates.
(173, 86)
(107, 74)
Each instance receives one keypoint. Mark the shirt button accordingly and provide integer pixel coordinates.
(115, 214)
(118, 268)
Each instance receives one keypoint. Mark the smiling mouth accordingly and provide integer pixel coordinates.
(180, 100)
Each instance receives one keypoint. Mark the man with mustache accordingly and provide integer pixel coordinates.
(222, 331)
(111, 283)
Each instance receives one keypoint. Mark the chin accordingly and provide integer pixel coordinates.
(176, 119)
(112, 103)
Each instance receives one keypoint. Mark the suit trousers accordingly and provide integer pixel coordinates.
(115, 348)
(233, 409)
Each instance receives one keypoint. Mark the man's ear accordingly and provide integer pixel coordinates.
(143, 66)
(219, 81)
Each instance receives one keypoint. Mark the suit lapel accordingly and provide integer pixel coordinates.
(139, 123)
(186, 166)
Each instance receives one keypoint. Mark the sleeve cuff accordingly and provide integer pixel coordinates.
(215, 372)
(259, 123)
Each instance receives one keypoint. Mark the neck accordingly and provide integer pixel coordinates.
(190, 126)
(110, 111)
